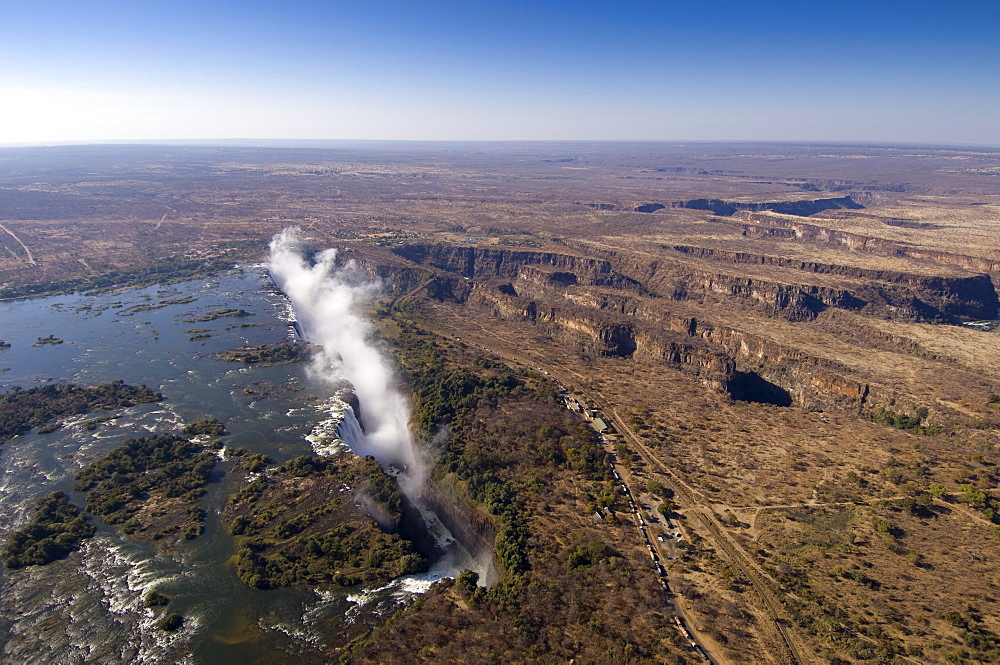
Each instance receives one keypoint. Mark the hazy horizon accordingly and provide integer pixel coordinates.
(444, 143)
(849, 72)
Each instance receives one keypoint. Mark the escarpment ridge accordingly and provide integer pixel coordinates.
(764, 336)
(768, 225)
(801, 208)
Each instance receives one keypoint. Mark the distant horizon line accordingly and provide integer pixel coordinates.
(277, 143)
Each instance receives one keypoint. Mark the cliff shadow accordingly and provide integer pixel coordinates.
(752, 387)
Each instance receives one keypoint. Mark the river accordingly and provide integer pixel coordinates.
(89, 608)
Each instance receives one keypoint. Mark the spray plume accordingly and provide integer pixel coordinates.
(327, 301)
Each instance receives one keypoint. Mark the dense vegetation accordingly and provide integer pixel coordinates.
(208, 426)
(443, 394)
(56, 530)
(914, 423)
(321, 522)
(269, 354)
(20, 410)
(171, 622)
(167, 471)
(248, 461)
(155, 598)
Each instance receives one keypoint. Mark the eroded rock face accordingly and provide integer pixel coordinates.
(790, 292)
(881, 293)
(622, 304)
(485, 263)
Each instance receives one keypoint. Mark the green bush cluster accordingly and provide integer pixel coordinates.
(488, 448)
(904, 421)
(223, 313)
(117, 484)
(250, 462)
(969, 494)
(209, 426)
(270, 354)
(155, 598)
(344, 556)
(20, 410)
(171, 622)
(57, 529)
(588, 554)
(329, 543)
(145, 307)
(442, 395)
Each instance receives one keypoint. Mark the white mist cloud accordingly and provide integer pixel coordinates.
(329, 303)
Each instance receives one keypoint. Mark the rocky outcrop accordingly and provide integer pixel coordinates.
(910, 224)
(881, 293)
(896, 295)
(714, 354)
(811, 381)
(604, 333)
(714, 367)
(729, 208)
(381, 265)
(757, 231)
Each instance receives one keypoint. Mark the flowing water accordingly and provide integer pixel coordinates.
(89, 607)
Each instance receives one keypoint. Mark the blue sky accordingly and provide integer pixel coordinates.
(793, 71)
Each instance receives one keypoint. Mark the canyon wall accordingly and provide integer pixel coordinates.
(774, 226)
(618, 303)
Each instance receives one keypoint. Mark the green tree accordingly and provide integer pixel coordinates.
(972, 496)
(656, 488)
(56, 530)
(468, 580)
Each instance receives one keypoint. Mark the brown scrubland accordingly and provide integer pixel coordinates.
(798, 342)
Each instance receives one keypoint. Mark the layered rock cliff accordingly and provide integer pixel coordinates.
(889, 293)
(791, 293)
(484, 263)
(636, 305)
(774, 226)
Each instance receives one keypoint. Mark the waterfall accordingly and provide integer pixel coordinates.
(350, 431)
(328, 301)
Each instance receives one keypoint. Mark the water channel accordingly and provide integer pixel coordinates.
(89, 608)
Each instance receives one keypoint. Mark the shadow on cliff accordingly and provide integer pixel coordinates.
(752, 387)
